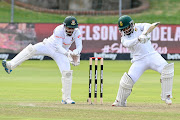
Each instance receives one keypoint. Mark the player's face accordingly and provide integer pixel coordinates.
(69, 31)
(127, 30)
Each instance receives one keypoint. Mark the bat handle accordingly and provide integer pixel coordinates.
(145, 34)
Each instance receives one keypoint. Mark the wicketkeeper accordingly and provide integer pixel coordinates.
(57, 47)
(144, 58)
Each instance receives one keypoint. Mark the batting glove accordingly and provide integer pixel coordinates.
(143, 38)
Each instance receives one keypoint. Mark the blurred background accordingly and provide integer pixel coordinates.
(30, 21)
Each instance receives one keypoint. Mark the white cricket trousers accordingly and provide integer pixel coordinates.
(154, 61)
(47, 50)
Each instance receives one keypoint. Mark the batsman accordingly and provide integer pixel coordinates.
(57, 47)
(136, 39)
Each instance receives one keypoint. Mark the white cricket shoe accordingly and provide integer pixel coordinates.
(68, 101)
(118, 104)
(6, 66)
(168, 100)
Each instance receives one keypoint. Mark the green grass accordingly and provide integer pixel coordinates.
(165, 11)
(33, 92)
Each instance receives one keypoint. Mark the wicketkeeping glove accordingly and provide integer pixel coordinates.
(75, 52)
(76, 60)
(69, 55)
(73, 58)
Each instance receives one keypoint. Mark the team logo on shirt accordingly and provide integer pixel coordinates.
(72, 40)
(135, 29)
(121, 24)
(73, 22)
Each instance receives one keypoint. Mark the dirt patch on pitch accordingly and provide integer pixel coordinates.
(107, 106)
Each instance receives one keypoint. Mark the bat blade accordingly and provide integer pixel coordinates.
(152, 27)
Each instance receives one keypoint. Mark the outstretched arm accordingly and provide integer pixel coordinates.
(129, 43)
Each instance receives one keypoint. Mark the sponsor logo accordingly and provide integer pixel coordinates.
(107, 56)
(136, 29)
(4, 56)
(38, 57)
(173, 56)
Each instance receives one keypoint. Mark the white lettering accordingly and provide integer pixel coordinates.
(161, 50)
(177, 34)
(110, 33)
(169, 38)
(96, 35)
(115, 48)
(88, 33)
(38, 57)
(163, 33)
(4, 56)
(104, 33)
(173, 56)
(99, 32)
(104, 55)
(155, 34)
(113, 33)
(106, 49)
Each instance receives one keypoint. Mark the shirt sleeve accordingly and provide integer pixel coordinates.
(58, 37)
(129, 43)
(78, 41)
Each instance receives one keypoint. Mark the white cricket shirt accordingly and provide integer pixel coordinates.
(138, 50)
(61, 41)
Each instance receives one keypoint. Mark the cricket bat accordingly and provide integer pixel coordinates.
(152, 27)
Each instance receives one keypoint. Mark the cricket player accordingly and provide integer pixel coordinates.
(144, 58)
(57, 47)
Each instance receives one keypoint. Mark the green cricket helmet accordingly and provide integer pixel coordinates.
(70, 22)
(126, 24)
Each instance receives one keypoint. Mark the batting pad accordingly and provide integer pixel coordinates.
(66, 84)
(167, 80)
(25, 54)
(125, 88)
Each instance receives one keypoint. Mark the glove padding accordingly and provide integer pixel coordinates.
(76, 60)
(68, 54)
(143, 38)
(73, 58)
(75, 52)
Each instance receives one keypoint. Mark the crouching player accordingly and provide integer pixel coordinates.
(144, 58)
(57, 47)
